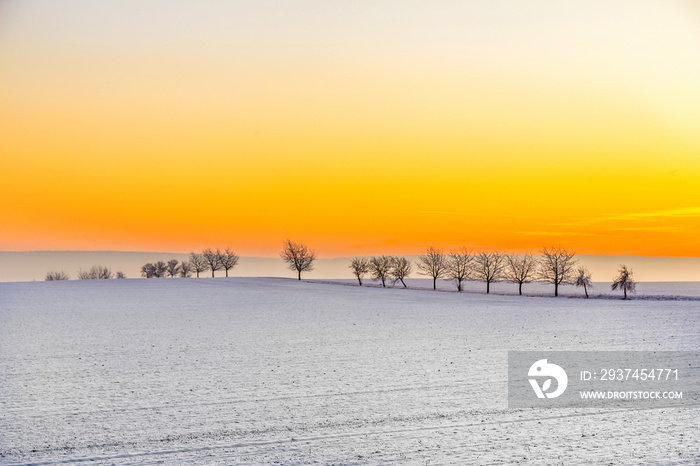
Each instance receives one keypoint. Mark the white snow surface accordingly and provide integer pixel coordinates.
(264, 370)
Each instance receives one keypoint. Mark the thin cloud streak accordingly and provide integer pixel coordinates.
(684, 212)
(671, 213)
(647, 229)
(555, 233)
(475, 214)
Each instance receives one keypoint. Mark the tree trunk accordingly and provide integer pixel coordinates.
(586, 290)
(212, 273)
(520, 288)
(624, 288)
(383, 283)
(434, 283)
(459, 286)
(488, 287)
(359, 280)
(299, 271)
(556, 289)
(197, 273)
(226, 273)
(404, 285)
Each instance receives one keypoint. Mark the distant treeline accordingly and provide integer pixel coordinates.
(208, 260)
(557, 266)
(96, 272)
(554, 265)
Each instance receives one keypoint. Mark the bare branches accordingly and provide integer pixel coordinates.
(96, 272)
(298, 257)
(148, 270)
(228, 259)
(433, 264)
(213, 259)
(172, 267)
(400, 268)
(208, 260)
(488, 267)
(154, 270)
(55, 276)
(359, 267)
(557, 267)
(520, 269)
(459, 265)
(624, 281)
(379, 267)
(583, 278)
(186, 269)
(199, 263)
(161, 269)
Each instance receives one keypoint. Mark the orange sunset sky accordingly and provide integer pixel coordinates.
(358, 127)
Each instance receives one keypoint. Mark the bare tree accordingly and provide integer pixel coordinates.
(148, 270)
(298, 257)
(520, 269)
(103, 273)
(556, 267)
(160, 269)
(400, 268)
(213, 259)
(584, 279)
(198, 263)
(120, 274)
(459, 265)
(186, 269)
(379, 267)
(228, 259)
(155, 270)
(488, 267)
(55, 275)
(433, 263)
(624, 281)
(96, 272)
(359, 267)
(172, 267)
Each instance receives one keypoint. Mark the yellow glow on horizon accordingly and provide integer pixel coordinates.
(473, 143)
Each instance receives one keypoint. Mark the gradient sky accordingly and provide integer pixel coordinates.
(359, 127)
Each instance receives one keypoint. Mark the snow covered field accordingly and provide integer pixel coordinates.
(246, 370)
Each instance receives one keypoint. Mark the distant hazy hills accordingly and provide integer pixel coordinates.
(33, 265)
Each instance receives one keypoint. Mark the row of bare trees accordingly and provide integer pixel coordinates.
(96, 272)
(208, 260)
(556, 266)
(171, 268)
(297, 256)
(382, 268)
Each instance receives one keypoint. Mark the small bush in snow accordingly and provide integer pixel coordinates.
(54, 276)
